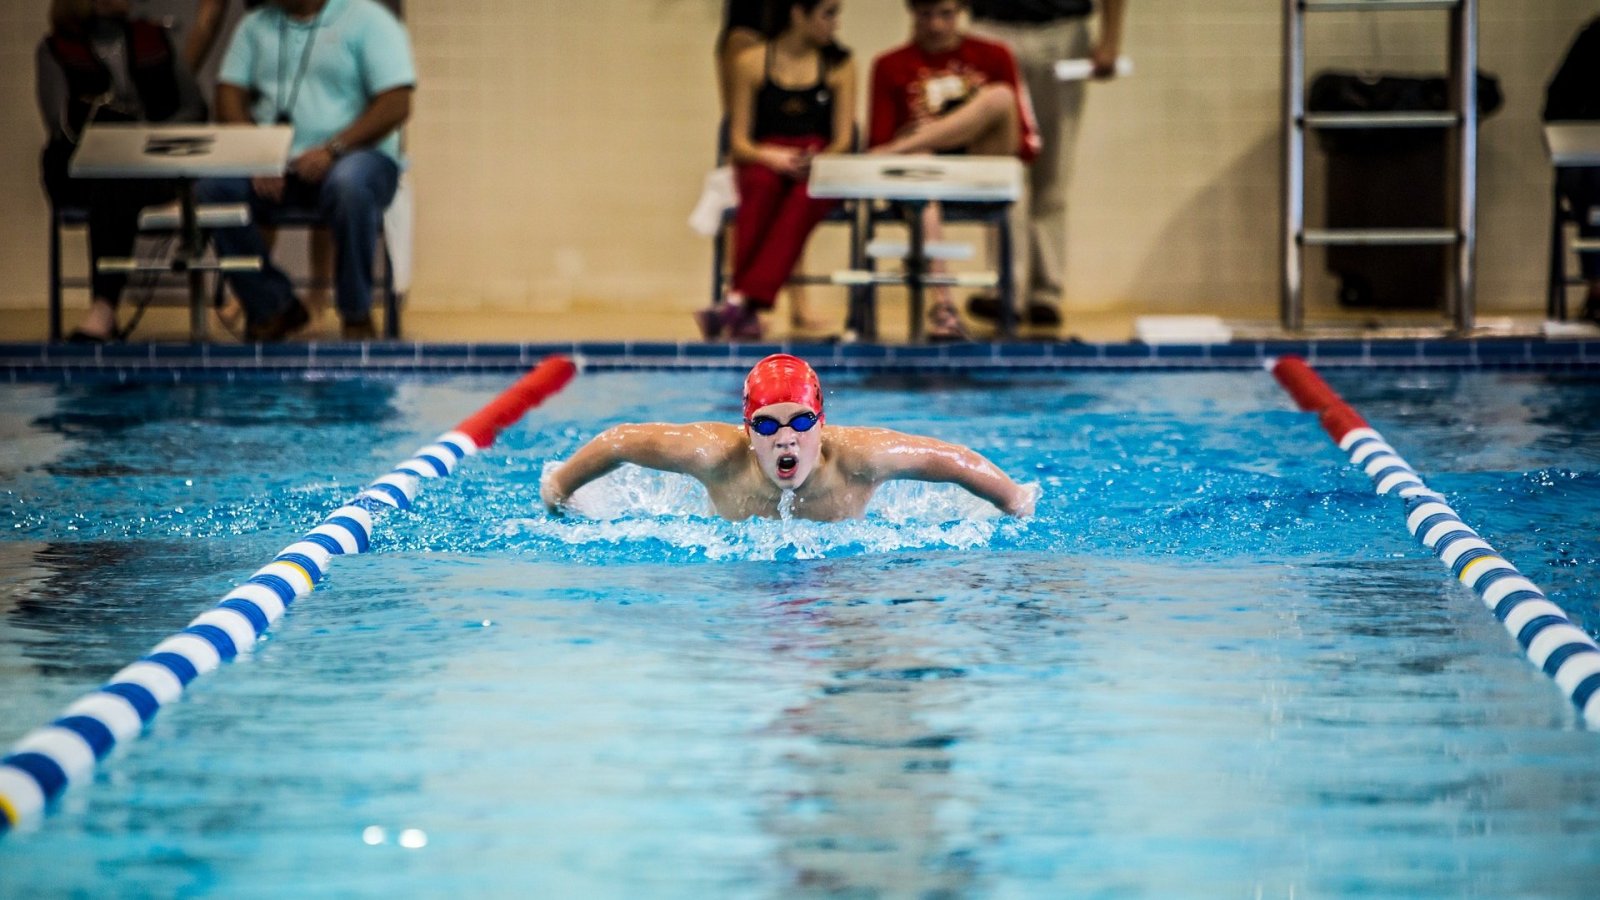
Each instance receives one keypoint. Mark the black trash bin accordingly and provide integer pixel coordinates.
(1389, 178)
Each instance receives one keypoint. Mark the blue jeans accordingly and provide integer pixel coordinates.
(350, 201)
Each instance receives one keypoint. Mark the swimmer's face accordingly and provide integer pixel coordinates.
(787, 457)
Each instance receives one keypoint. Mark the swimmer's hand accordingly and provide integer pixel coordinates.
(554, 501)
(1022, 501)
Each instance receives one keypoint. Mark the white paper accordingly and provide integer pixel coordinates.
(1082, 69)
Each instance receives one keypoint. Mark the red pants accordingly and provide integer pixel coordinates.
(775, 217)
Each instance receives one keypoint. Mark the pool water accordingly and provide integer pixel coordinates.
(1215, 664)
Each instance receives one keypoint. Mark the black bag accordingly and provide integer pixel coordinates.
(1389, 178)
(1350, 92)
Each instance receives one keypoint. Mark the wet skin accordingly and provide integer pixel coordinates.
(830, 471)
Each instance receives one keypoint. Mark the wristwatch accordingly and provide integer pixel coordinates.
(337, 148)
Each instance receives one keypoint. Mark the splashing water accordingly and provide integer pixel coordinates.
(637, 505)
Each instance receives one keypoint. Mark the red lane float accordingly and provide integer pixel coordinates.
(1314, 395)
(1549, 638)
(545, 379)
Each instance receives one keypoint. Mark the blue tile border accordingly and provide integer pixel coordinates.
(1251, 352)
(51, 362)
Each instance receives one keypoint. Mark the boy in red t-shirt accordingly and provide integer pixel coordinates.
(948, 92)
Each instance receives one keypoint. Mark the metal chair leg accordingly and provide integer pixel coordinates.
(1008, 277)
(55, 276)
(719, 258)
(391, 298)
(1556, 289)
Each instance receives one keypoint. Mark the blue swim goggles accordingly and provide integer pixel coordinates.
(767, 426)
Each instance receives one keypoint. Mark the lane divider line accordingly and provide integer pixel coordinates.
(45, 762)
(1551, 641)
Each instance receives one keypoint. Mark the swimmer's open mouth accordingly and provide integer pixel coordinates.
(787, 463)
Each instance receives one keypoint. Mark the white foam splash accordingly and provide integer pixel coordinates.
(636, 504)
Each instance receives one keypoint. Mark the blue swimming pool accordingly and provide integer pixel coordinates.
(1214, 665)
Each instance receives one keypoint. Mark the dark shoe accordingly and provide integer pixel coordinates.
(984, 306)
(1044, 314)
(709, 321)
(278, 327)
(714, 320)
(362, 330)
(747, 327)
(79, 336)
(987, 306)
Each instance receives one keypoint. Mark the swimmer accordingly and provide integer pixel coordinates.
(785, 447)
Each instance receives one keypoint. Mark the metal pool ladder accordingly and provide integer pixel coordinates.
(1462, 120)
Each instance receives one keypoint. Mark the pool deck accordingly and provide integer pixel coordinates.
(502, 341)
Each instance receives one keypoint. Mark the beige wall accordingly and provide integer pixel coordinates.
(558, 147)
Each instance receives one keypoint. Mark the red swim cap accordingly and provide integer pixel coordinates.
(781, 378)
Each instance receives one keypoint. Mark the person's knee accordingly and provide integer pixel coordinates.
(344, 193)
(222, 190)
(993, 108)
(357, 184)
(997, 97)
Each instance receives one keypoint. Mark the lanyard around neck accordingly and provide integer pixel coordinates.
(286, 110)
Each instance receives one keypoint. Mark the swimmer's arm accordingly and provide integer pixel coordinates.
(695, 449)
(917, 458)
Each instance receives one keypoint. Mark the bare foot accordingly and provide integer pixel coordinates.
(944, 324)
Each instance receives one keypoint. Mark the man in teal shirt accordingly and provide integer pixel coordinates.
(340, 72)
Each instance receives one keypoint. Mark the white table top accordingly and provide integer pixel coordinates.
(916, 177)
(180, 151)
(1573, 143)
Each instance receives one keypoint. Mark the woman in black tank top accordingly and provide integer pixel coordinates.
(790, 99)
(793, 112)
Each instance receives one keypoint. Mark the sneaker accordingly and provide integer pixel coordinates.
(709, 323)
(944, 325)
(1044, 314)
(276, 328)
(746, 326)
(987, 307)
(713, 320)
(984, 306)
(739, 322)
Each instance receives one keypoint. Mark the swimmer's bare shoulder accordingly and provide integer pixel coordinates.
(858, 452)
(703, 450)
(877, 455)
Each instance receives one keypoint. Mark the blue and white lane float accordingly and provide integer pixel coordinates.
(1559, 648)
(48, 760)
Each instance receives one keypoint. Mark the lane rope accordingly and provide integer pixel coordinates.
(1551, 641)
(47, 761)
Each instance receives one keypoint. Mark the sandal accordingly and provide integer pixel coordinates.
(944, 325)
